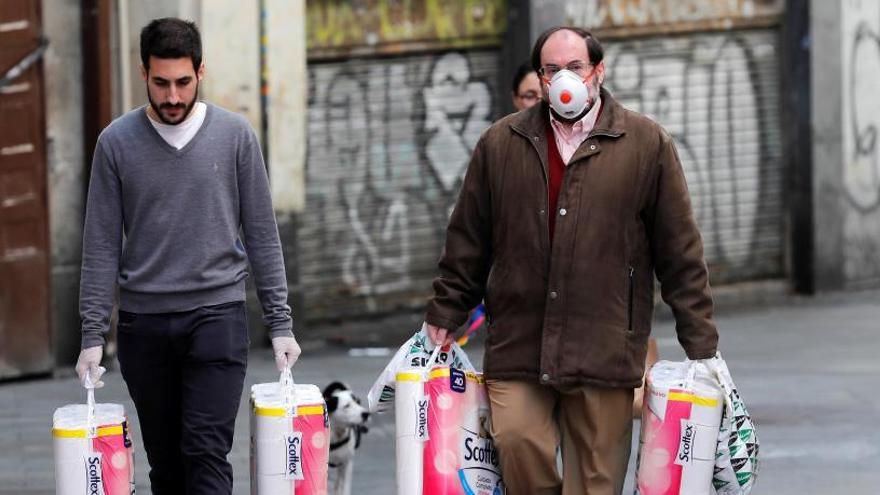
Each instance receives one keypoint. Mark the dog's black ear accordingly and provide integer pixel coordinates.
(333, 387)
(332, 404)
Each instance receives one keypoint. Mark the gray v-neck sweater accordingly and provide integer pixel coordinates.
(181, 212)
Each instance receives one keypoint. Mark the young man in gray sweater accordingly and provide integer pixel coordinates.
(178, 205)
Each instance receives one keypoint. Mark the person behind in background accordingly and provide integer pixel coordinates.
(172, 185)
(526, 88)
(566, 213)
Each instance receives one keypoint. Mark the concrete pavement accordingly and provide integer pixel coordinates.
(806, 367)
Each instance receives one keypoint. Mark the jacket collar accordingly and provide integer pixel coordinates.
(534, 121)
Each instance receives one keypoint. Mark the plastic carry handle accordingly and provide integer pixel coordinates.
(718, 367)
(435, 355)
(691, 375)
(91, 426)
(288, 392)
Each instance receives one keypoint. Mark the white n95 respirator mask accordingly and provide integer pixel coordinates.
(569, 94)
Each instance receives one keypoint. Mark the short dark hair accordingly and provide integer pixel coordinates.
(521, 72)
(169, 37)
(594, 48)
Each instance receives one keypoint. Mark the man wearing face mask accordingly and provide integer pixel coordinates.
(566, 213)
(172, 185)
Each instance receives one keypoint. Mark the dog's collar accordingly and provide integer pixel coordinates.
(339, 443)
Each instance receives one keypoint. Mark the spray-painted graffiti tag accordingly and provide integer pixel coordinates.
(707, 92)
(457, 111)
(389, 141)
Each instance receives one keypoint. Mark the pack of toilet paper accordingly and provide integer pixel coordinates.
(289, 439)
(443, 442)
(93, 450)
(459, 455)
(681, 418)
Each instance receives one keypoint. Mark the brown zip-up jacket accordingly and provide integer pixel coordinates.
(579, 312)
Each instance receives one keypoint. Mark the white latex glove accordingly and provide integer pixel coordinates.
(440, 336)
(89, 366)
(287, 351)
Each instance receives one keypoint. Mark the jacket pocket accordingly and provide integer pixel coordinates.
(630, 285)
(493, 285)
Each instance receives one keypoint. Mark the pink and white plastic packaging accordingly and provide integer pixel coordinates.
(459, 457)
(443, 443)
(680, 421)
(92, 455)
(289, 453)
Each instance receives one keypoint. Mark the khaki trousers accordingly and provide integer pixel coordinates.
(593, 426)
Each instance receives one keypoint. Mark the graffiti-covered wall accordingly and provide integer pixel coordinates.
(717, 94)
(389, 141)
(392, 125)
(860, 57)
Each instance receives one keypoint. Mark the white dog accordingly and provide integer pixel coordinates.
(348, 420)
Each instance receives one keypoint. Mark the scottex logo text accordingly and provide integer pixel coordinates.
(687, 440)
(94, 481)
(422, 418)
(480, 450)
(293, 457)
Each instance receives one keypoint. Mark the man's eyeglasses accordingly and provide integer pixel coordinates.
(582, 69)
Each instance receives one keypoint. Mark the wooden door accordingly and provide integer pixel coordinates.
(24, 223)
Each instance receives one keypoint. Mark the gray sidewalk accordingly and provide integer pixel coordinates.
(807, 368)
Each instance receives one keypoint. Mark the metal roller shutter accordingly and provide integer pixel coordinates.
(718, 95)
(389, 140)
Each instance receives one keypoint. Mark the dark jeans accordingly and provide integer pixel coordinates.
(185, 373)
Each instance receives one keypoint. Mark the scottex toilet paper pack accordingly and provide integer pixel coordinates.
(696, 404)
(93, 450)
(290, 439)
(681, 418)
(459, 457)
(443, 444)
